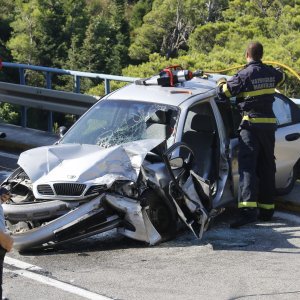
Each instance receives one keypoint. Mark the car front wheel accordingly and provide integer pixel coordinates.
(159, 214)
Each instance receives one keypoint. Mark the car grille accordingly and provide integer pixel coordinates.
(68, 189)
(45, 189)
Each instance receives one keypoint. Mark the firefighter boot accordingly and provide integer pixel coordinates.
(265, 214)
(246, 216)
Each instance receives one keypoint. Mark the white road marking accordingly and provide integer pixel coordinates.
(9, 155)
(20, 264)
(24, 271)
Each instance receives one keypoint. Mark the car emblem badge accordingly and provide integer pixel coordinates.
(71, 176)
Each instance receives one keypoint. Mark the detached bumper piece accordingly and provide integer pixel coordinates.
(86, 220)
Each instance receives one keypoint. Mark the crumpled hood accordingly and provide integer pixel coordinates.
(83, 163)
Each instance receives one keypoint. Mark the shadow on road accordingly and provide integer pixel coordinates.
(280, 235)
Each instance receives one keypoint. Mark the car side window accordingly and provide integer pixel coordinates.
(206, 118)
(282, 111)
(231, 117)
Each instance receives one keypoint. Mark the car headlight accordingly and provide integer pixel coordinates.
(128, 189)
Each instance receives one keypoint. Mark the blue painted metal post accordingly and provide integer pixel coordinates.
(76, 84)
(23, 108)
(22, 76)
(49, 80)
(50, 114)
(107, 86)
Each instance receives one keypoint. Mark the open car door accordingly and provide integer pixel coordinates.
(187, 189)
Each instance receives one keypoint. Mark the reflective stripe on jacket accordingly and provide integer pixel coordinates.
(254, 89)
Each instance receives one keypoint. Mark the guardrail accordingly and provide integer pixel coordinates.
(41, 99)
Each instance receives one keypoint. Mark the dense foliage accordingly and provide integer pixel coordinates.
(139, 37)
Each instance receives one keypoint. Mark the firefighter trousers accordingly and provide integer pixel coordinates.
(257, 169)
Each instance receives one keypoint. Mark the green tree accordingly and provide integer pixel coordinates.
(97, 45)
(204, 37)
(119, 57)
(167, 26)
(139, 10)
(51, 35)
(6, 17)
(9, 113)
(23, 43)
(43, 30)
(77, 20)
(104, 48)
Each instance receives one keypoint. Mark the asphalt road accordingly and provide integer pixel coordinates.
(259, 261)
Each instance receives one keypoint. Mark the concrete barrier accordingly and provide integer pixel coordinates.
(19, 139)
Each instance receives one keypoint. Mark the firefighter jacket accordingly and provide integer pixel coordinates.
(254, 89)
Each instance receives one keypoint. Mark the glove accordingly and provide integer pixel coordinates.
(221, 81)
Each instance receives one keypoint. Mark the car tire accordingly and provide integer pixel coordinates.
(290, 185)
(159, 214)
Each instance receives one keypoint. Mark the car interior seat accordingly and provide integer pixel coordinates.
(158, 126)
(201, 139)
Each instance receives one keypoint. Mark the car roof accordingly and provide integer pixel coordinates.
(167, 95)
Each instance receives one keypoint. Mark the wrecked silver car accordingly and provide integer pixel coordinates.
(144, 159)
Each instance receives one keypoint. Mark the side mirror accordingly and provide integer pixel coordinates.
(62, 130)
(176, 163)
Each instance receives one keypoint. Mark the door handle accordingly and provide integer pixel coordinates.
(292, 137)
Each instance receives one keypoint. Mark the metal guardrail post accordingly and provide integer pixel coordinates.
(22, 76)
(76, 84)
(23, 108)
(48, 80)
(50, 121)
(107, 86)
(24, 116)
(50, 113)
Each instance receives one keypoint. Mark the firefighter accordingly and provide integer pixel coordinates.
(254, 88)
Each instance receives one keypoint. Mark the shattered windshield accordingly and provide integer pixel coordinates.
(114, 122)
